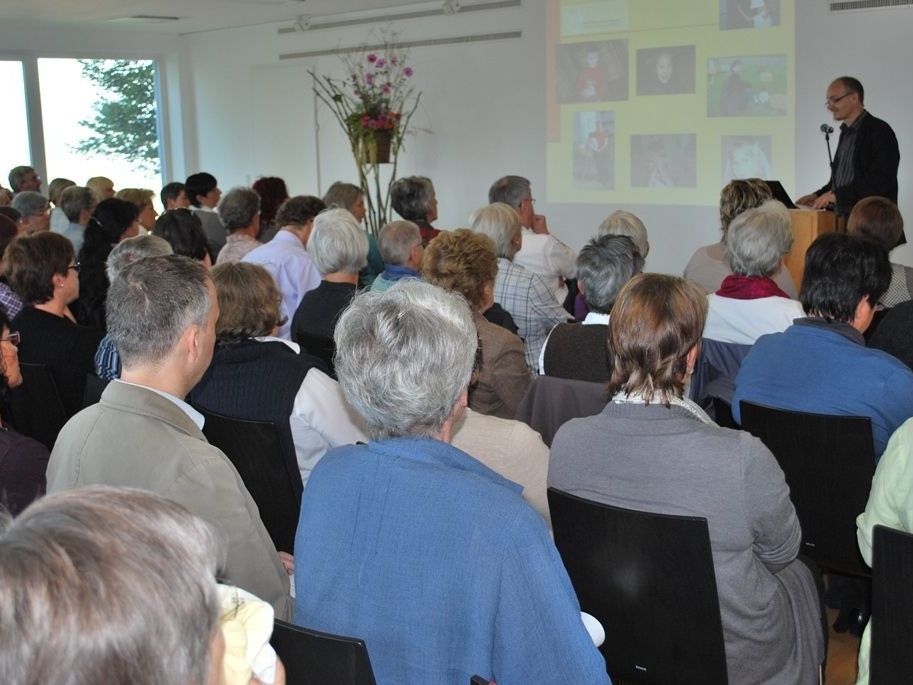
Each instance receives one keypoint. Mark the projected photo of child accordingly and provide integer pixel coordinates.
(665, 71)
(749, 14)
(664, 161)
(594, 150)
(749, 86)
(592, 72)
(746, 157)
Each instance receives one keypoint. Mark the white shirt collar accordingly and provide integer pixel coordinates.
(194, 415)
(295, 347)
(596, 317)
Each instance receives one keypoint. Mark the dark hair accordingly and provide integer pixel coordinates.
(273, 193)
(8, 231)
(199, 184)
(840, 270)
(411, 197)
(853, 85)
(33, 260)
(184, 232)
(171, 191)
(878, 219)
(112, 218)
(11, 213)
(297, 211)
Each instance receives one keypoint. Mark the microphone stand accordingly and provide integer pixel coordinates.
(830, 157)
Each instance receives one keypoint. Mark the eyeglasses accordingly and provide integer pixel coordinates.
(532, 200)
(76, 267)
(833, 100)
(14, 338)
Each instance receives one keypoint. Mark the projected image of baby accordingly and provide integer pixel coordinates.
(746, 157)
(664, 161)
(592, 72)
(748, 86)
(594, 150)
(665, 71)
(749, 14)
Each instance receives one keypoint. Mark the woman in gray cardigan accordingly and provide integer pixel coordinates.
(652, 450)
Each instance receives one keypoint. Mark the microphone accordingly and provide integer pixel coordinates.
(826, 128)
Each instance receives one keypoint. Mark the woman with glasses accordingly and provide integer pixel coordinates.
(43, 271)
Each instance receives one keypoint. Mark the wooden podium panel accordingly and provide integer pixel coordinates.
(807, 224)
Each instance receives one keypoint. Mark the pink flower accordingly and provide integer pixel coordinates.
(369, 79)
(408, 71)
(381, 63)
(386, 88)
(394, 60)
(372, 58)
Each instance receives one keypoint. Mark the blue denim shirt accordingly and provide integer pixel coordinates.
(440, 566)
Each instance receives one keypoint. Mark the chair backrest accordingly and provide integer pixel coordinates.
(649, 579)
(828, 462)
(95, 386)
(891, 660)
(551, 402)
(314, 658)
(722, 414)
(35, 407)
(254, 448)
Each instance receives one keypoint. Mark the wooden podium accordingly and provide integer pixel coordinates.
(807, 224)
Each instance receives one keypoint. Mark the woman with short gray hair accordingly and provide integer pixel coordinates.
(414, 199)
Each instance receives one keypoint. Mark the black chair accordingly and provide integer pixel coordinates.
(314, 658)
(828, 462)
(649, 579)
(891, 660)
(95, 386)
(35, 408)
(254, 448)
(722, 414)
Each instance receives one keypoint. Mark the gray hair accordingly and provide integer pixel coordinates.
(337, 243)
(758, 239)
(17, 175)
(133, 249)
(500, 223)
(238, 208)
(396, 241)
(627, 224)
(412, 196)
(404, 356)
(74, 200)
(604, 265)
(511, 190)
(30, 203)
(152, 303)
(342, 195)
(107, 585)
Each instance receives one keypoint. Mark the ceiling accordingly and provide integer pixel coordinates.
(193, 15)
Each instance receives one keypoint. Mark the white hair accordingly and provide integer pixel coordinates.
(501, 223)
(758, 239)
(621, 222)
(337, 243)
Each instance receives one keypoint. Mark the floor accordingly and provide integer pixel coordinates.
(841, 656)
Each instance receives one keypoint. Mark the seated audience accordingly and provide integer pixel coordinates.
(413, 198)
(109, 585)
(10, 302)
(59, 220)
(420, 516)
(402, 247)
(286, 258)
(894, 333)
(142, 198)
(174, 196)
(42, 270)
(239, 211)
(182, 229)
(203, 191)
(878, 219)
(465, 262)
(23, 461)
(340, 250)
(579, 350)
(256, 376)
(78, 203)
(107, 360)
(709, 265)
(349, 196)
(162, 314)
(820, 364)
(101, 186)
(6, 197)
(652, 450)
(541, 253)
(113, 221)
(33, 210)
(522, 293)
(23, 178)
(273, 193)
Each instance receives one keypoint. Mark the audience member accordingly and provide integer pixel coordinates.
(402, 247)
(286, 258)
(340, 250)
(112, 221)
(351, 197)
(101, 186)
(709, 265)
(259, 377)
(33, 209)
(419, 515)
(10, 302)
(203, 191)
(522, 293)
(23, 461)
(174, 196)
(239, 211)
(652, 450)
(182, 229)
(162, 314)
(893, 333)
(59, 220)
(464, 262)
(107, 360)
(142, 198)
(414, 199)
(541, 253)
(6, 196)
(273, 193)
(820, 364)
(24, 178)
(11, 214)
(78, 203)
(878, 219)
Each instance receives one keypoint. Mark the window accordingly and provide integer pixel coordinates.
(14, 149)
